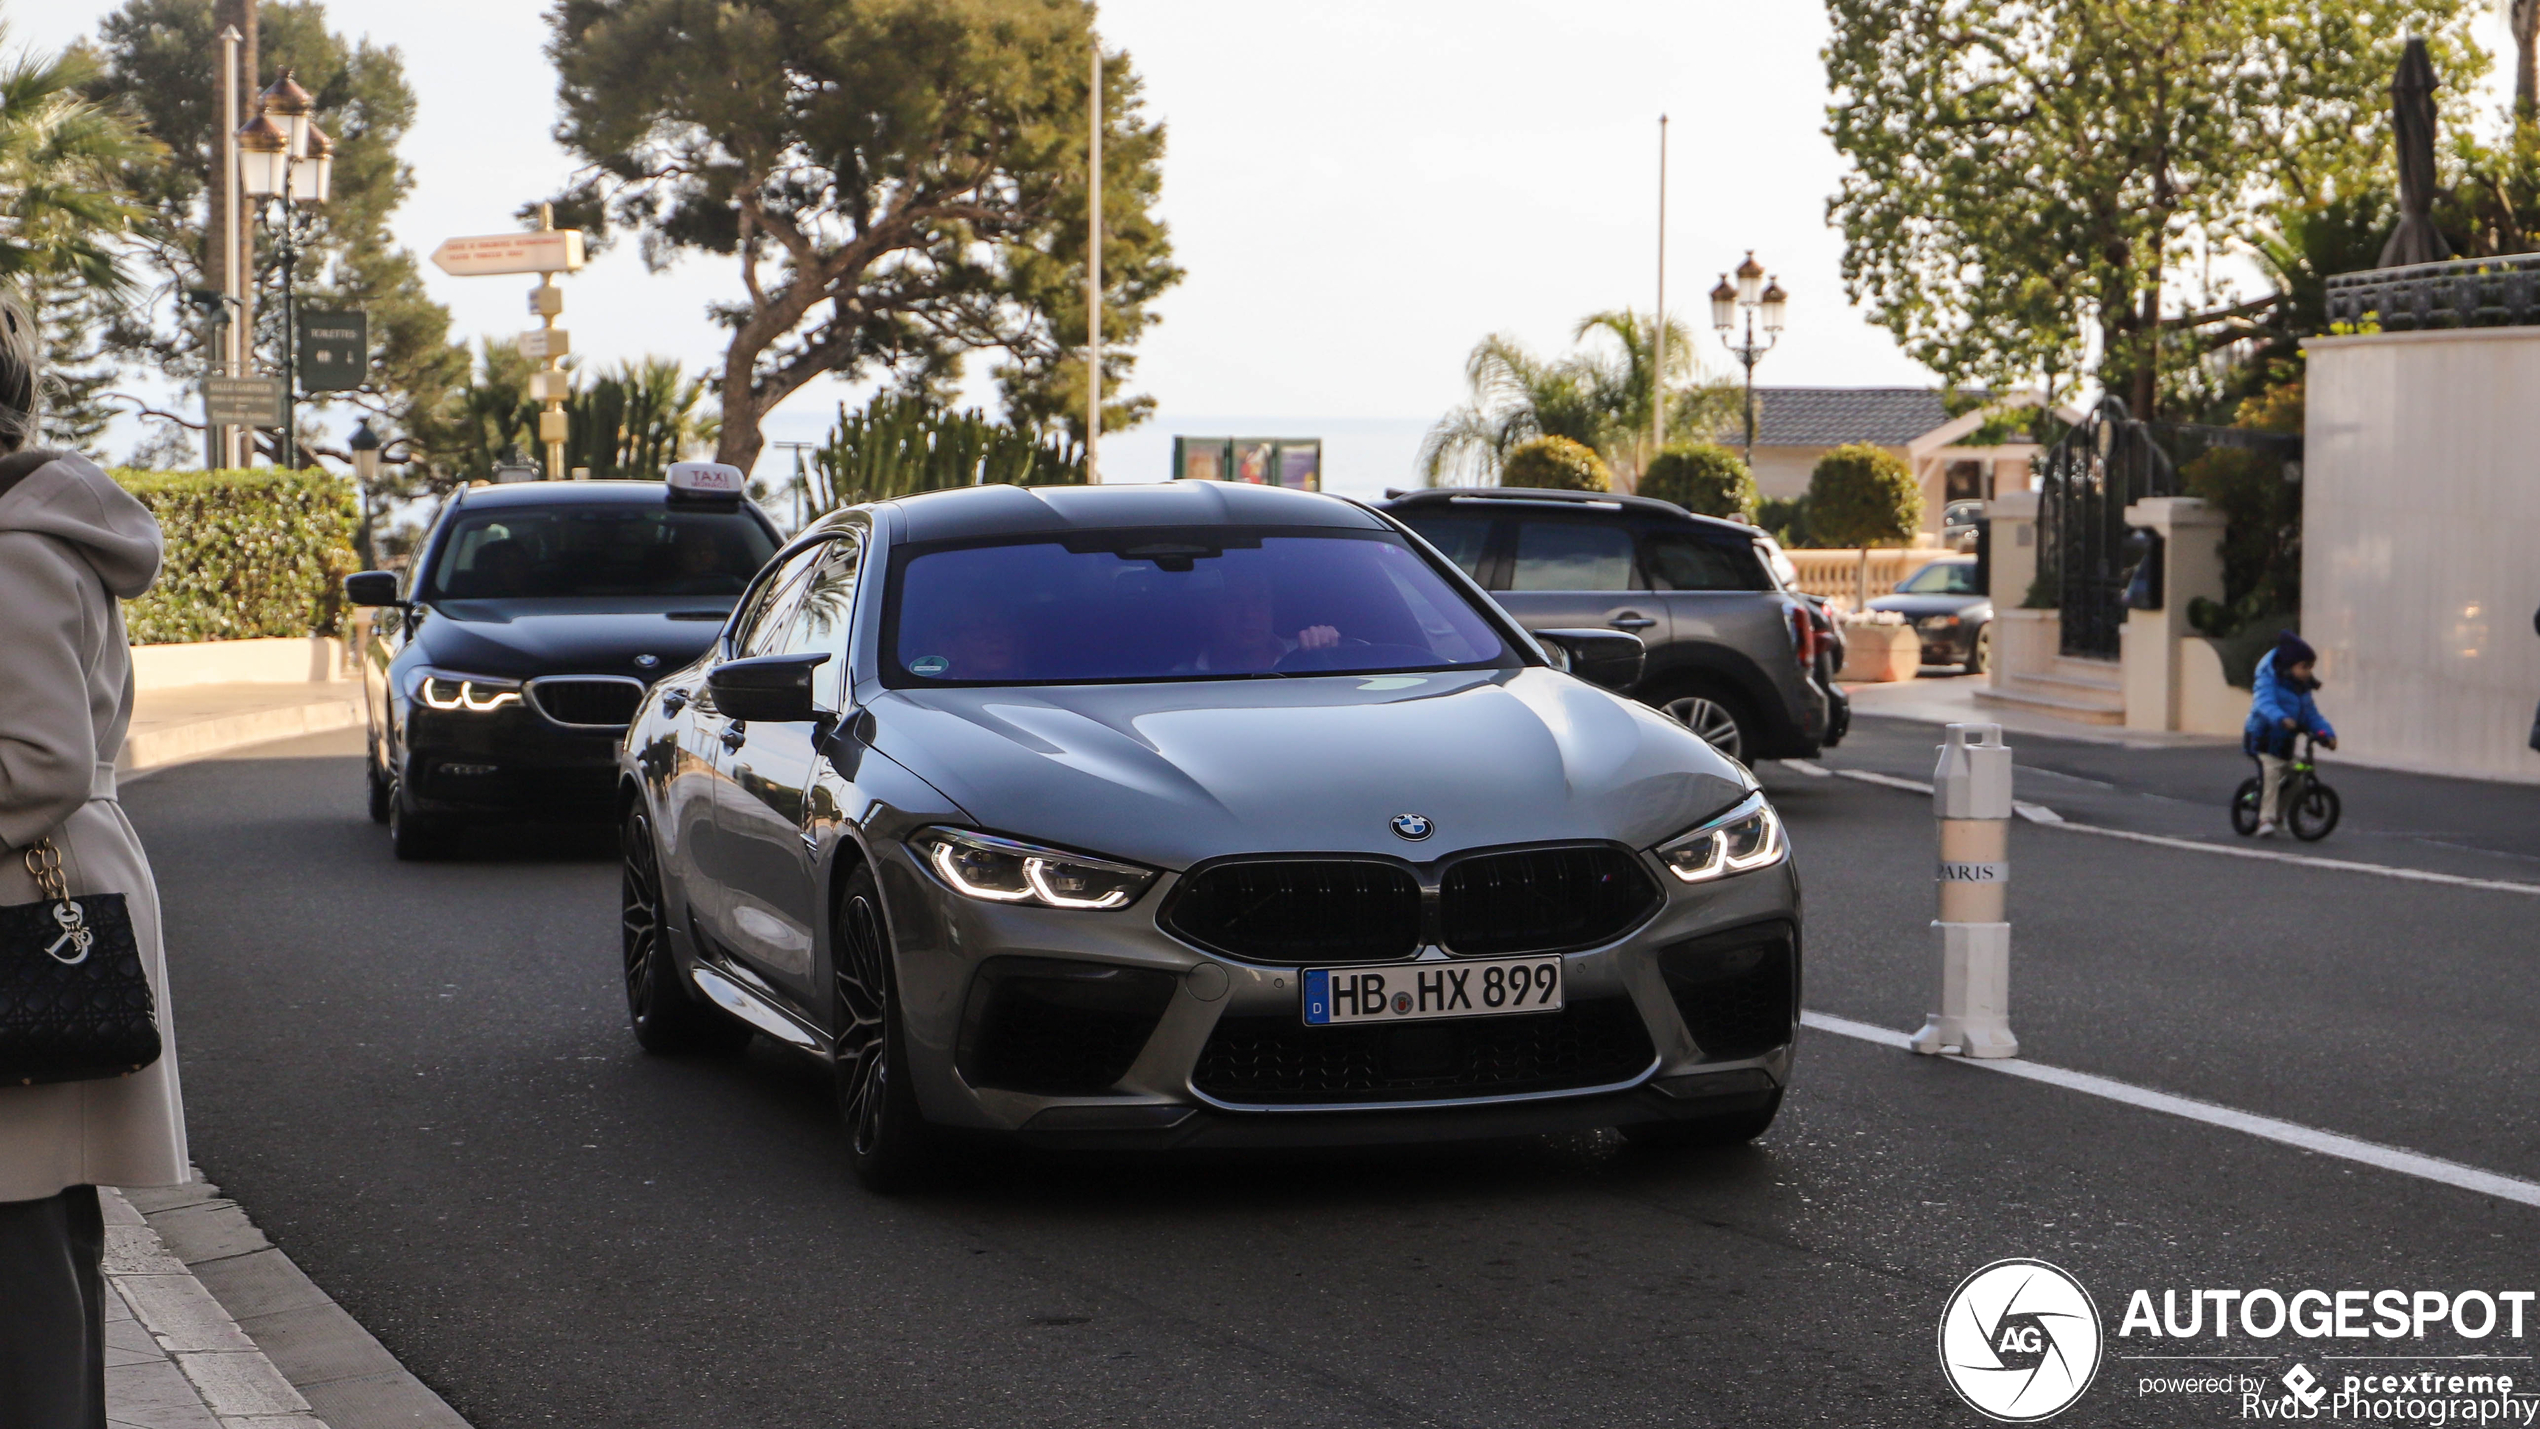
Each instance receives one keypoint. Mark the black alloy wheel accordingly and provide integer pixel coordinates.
(378, 785)
(667, 1018)
(1728, 1129)
(414, 836)
(887, 1140)
(2244, 806)
(2314, 815)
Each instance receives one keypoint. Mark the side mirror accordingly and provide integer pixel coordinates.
(372, 588)
(1611, 659)
(773, 689)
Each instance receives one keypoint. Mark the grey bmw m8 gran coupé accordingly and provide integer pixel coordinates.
(1195, 815)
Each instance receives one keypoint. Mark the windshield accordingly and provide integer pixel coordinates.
(1210, 603)
(1943, 578)
(581, 550)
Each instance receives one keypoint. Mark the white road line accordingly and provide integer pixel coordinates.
(2326, 1143)
(1808, 767)
(2040, 814)
(1887, 781)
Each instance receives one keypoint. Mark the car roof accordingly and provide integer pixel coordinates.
(551, 493)
(970, 512)
(1399, 500)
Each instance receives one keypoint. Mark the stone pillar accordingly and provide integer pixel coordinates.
(2191, 536)
(2014, 560)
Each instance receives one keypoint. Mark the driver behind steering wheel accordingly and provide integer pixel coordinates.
(1237, 635)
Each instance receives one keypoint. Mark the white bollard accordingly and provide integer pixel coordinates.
(1971, 803)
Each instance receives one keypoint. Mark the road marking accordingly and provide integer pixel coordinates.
(2325, 1143)
(1887, 781)
(1809, 767)
(2040, 814)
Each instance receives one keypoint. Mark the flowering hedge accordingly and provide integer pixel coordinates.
(249, 553)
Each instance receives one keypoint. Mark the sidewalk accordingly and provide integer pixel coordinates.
(170, 726)
(209, 1326)
(1951, 699)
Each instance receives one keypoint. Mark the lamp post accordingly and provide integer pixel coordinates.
(365, 445)
(283, 157)
(1757, 298)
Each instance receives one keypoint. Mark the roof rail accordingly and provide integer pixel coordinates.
(1648, 504)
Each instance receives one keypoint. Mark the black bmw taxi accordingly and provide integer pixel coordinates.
(502, 669)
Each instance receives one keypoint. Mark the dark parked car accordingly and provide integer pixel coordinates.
(501, 673)
(1733, 655)
(1195, 815)
(1951, 616)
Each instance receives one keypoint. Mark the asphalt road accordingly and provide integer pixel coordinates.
(418, 1080)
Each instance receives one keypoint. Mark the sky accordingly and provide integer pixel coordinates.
(1358, 192)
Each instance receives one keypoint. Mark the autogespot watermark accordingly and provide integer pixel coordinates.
(2021, 1341)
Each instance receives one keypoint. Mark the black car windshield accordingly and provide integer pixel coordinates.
(1943, 578)
(1212, 603)
(588, 550)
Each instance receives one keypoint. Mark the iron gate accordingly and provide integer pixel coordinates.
(2099, 468)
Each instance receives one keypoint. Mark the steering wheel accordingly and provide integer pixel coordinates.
(1351, 653)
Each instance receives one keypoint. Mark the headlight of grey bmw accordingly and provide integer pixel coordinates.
(1742, 840)
(447, 690)
(995, 870)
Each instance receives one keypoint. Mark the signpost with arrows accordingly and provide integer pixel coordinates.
(546, 251)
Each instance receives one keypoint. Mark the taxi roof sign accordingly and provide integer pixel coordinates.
(705, 481)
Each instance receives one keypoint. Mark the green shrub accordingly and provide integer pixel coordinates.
(1861, 495)
(1786, 518)
(249, 553)
(1556, 463)
(2262, 534)
(1704, 478)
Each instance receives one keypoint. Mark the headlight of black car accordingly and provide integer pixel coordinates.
(447, 690)
(1742, 840)
(996, 870)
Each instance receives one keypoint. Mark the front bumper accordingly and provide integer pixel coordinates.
(508, 761)
(1654, 990)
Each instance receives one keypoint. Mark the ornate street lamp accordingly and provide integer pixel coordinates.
(1760, 299)
(365, 445)
(287, 164)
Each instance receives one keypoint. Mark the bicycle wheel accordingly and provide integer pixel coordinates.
(2315, 813)
(2244, 807)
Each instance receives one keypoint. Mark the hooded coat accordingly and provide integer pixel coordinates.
(72, 543)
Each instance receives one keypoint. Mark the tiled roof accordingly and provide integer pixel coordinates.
(1831, 416)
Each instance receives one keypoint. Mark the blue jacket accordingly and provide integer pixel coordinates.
(2274, 700)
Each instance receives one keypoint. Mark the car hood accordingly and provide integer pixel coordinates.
(547, 637)
(1914, 607)
(1170, 774)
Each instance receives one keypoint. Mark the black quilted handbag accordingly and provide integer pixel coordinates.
(75, 1004)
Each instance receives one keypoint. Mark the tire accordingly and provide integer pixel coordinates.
(2314, 816)
(667, 1018)
(1980, 654)
(416, 838)
(1732, 1129)
(2244, 806)
(380, 789)
(1721, 721)
(888, 1141)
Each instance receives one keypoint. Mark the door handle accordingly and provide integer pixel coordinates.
(734, 736)
(1631, 621)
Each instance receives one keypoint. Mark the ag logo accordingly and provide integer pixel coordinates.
(2306, 1386)
(1414, 827)
(2020, 1341)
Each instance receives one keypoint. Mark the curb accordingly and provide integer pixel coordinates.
(153, 750)
(262, 1344)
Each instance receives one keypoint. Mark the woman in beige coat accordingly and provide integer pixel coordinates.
(71, 544)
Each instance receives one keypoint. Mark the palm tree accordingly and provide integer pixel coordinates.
(64, 204)
(1598, 397)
